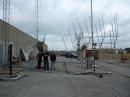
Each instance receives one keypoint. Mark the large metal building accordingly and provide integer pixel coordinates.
(21, 41)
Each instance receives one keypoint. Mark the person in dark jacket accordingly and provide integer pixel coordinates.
(53, 59)
(39, 58)
(46, 63)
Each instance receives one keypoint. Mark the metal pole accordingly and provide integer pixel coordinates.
(87, 62)
(92, 34)
(37, 18)
(92, 22)
(10, 59)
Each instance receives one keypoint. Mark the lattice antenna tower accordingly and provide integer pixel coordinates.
(5, 26)
(37, 8)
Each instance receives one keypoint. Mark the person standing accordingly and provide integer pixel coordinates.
(46, 63)
(31, 59)
(39, 58)
(52, 59)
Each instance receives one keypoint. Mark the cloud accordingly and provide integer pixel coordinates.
(57, 16)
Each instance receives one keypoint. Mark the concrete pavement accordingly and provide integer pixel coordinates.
(117, 67)
(59, 83)
(54, 85)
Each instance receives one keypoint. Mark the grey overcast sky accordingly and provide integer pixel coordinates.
(57, 16)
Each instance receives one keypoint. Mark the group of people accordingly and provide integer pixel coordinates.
(44, 57)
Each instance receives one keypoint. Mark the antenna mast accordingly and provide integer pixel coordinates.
(37, 3)
(92, 23)
(5, 26)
